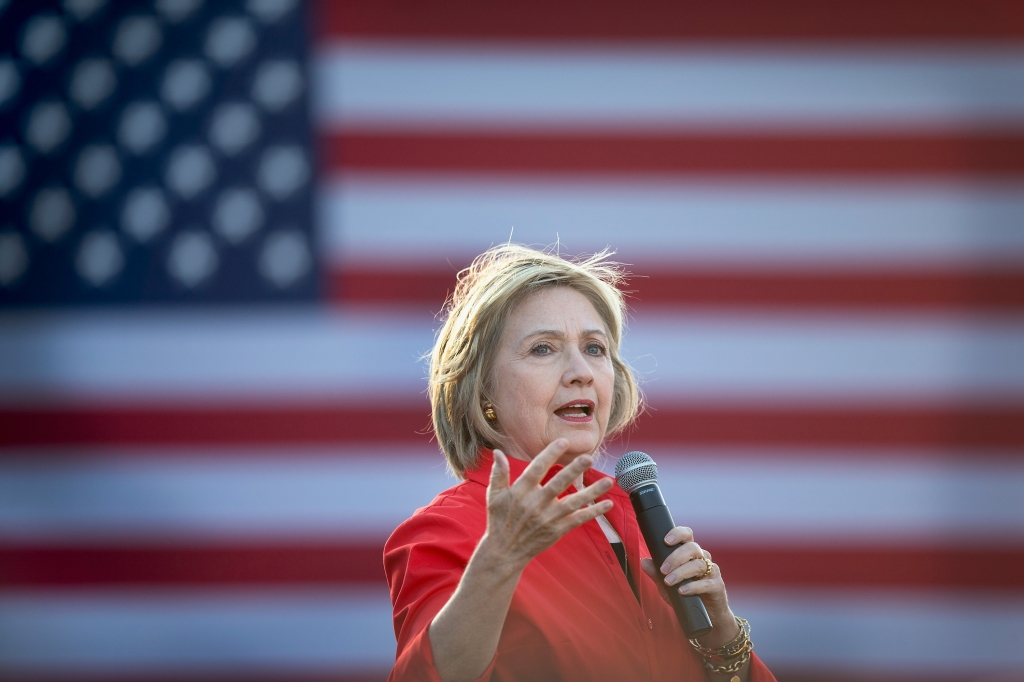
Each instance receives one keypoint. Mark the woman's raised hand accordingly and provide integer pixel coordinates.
(525, 518)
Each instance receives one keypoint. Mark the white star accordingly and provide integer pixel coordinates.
(234, 127)
(192, 258)
(190, 170)
(186, 81)
(52, 213)
(12, 169)
(142, 126)
(99, 258)
(92, 81)
(43, 38)
(145, 213)
(277, 83)
(229, 40)
(285, 257)
(137, 38)
(177, 11)
(10, 81)
(13, 257)
(98, 170)
(269, 11)
(283, 170)
(237, 214)
(48, 126)
(83, 9)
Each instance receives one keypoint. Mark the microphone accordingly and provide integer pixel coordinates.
(637, 474)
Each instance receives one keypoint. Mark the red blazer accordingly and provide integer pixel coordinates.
(573, 615)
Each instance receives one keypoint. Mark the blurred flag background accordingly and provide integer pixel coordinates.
(227, 228)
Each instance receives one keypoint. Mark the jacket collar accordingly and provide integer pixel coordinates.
(482, 473)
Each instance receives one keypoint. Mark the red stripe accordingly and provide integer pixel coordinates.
(191, 565)
(900, 427)
(954, 154)
(184, 425)
(922, 427)
(748, 20)
(343, 564)
(694, 286)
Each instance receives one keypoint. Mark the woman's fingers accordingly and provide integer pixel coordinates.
(581, 516)
(588, 494)
(538, 467)
(689, 571)
(710, 584)
(648, 567)
(679, 534)
(564, 478)
(686, 561)
(530, 517)
(499, 474)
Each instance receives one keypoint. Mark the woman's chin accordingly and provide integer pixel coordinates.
(580, 442)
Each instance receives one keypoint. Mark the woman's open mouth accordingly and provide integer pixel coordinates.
(576, 411)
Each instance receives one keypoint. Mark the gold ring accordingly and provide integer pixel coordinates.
(709, 565)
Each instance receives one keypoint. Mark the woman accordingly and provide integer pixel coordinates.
(513, 573)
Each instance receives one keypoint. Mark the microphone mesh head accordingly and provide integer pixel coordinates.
(635, 468)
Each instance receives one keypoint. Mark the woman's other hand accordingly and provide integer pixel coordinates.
(687, 561)
(525, 518)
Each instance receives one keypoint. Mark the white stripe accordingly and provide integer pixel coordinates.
(90, 632)
(207, 356)
(155, 496)
(389, 219)
(837, 359)
(886, 632)
(381, 85)
(826, 495)
(772, 495)
(239, 632)
(276, 355)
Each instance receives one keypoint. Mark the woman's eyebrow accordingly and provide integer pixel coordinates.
(561, 335)
(545, 332)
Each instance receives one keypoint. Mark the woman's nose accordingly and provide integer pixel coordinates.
(578, 369)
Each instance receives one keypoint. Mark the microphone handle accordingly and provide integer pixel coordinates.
(655, 521)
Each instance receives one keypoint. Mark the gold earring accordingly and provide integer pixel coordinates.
(489, 412)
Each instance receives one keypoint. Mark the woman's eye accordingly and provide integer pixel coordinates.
(541, 350)
(595, 349)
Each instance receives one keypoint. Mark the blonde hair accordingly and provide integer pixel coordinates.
(487, 292)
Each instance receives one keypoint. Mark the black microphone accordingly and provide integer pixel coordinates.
(637, 474)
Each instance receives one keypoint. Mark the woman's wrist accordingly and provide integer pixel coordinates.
(726, 629)
(730, 661)
(495, 560)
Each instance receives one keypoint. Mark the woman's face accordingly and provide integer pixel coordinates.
(552, 375)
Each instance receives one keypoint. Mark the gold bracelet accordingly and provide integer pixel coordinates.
(733, 667)
(737, 647)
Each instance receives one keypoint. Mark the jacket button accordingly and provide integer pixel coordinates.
(650, 623)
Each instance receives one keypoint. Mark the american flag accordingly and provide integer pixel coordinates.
(227, 228)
